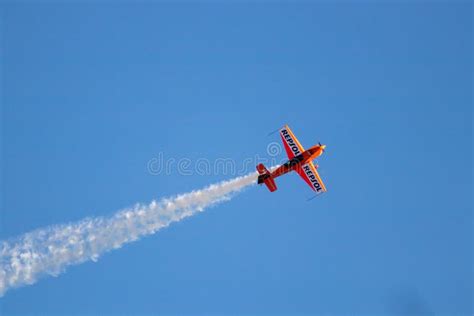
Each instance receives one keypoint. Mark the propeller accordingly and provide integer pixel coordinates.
(320, 145)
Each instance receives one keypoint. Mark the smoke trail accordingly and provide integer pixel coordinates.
(50, 250)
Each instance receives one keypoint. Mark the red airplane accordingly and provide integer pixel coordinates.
(300, 160)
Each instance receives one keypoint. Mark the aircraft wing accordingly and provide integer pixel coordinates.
(311, 177)
(290, 142)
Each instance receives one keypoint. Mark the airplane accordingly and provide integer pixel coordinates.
(300, 160)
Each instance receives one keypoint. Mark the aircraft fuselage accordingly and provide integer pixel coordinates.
(298, 161)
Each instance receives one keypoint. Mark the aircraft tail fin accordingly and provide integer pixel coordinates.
(266, 177)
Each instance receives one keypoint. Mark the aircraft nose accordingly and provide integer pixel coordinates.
(323, 147)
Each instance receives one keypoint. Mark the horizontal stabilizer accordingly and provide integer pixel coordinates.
(266, 177)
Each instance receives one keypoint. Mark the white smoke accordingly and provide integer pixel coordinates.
(50, 250)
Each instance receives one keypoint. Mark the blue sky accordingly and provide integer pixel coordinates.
(92, 92)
